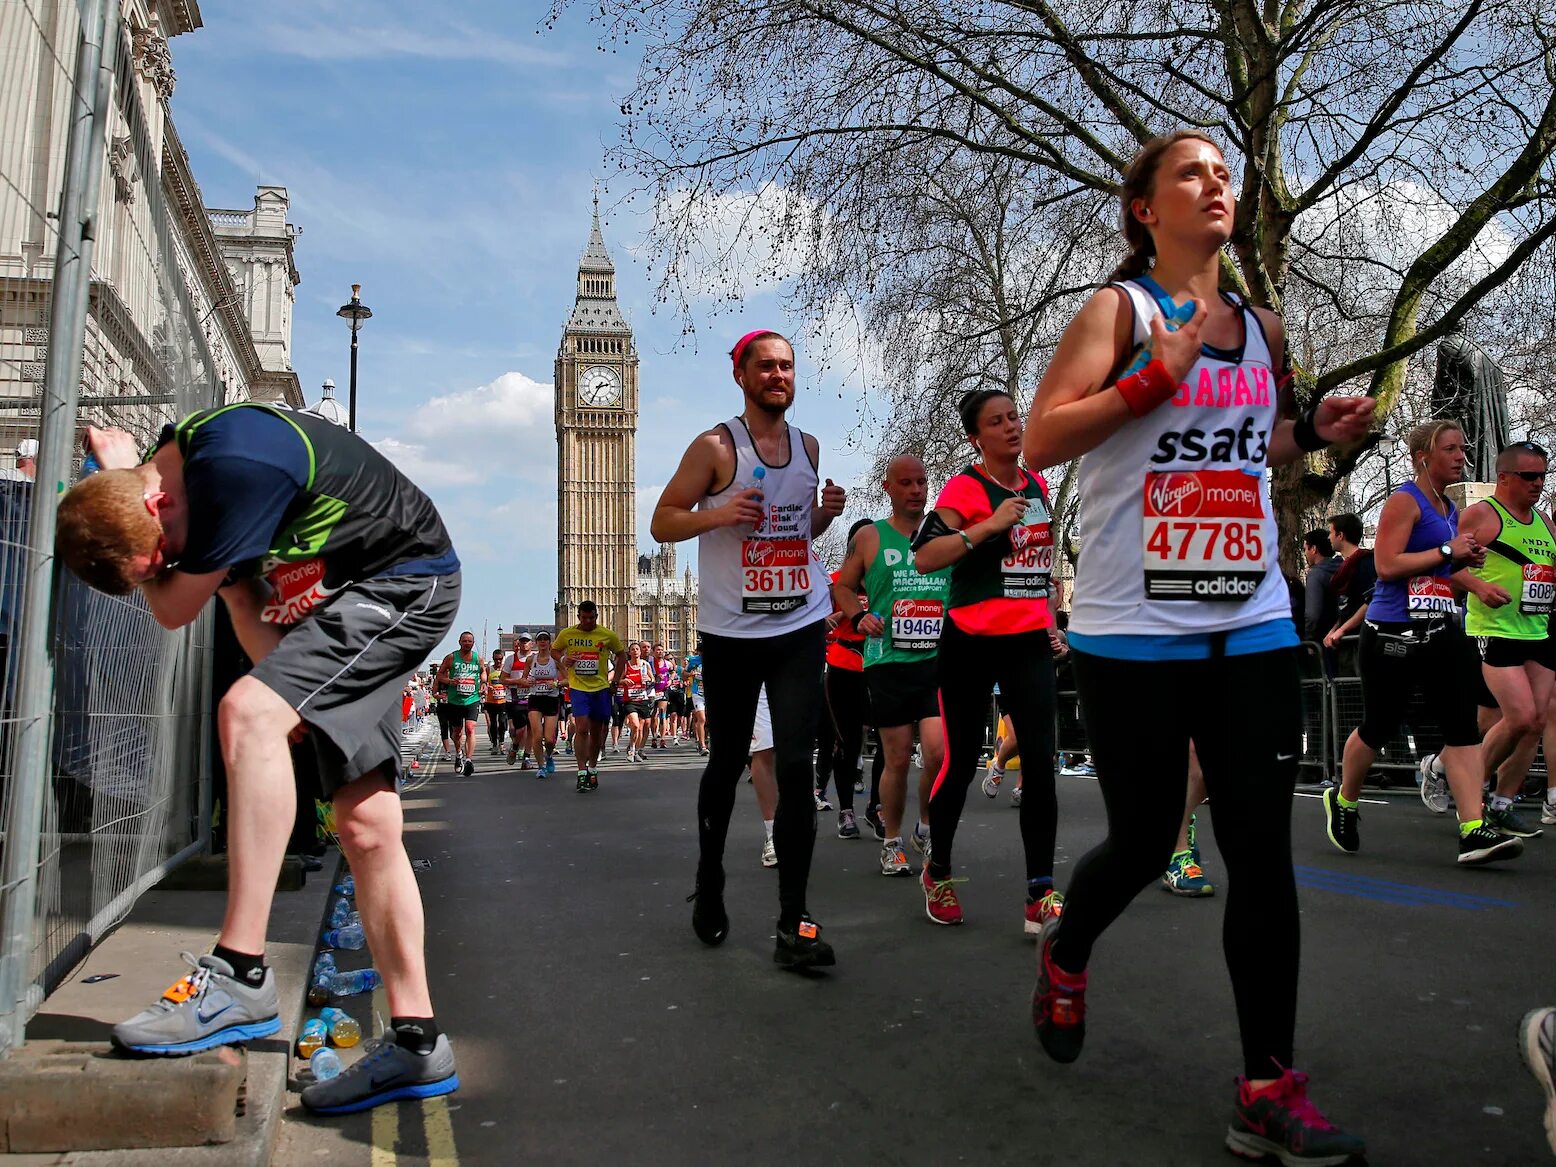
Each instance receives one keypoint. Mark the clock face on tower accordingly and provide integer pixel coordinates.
(600, 385)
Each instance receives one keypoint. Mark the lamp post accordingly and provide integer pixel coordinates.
(1387, 444)
(354, 314)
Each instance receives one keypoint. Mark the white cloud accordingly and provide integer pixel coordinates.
(428, 469)
(507, 422)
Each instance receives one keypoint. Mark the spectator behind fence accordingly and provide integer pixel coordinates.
(1352, 584)
(1318, 602)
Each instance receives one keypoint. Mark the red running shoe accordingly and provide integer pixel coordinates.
(1039, 911)
(1279, 1120)
(1058, 1003)
(940, 902)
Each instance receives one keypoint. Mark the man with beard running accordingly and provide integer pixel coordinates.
(747, 491)
(902, 624)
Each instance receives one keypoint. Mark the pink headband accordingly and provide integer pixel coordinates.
(740, 345)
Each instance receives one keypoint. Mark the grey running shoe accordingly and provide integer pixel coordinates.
(207, 1008)
(1509, 822)
(769, 854)
(894, 861)
(1548, 812)
(1537, 1042)
(921, 839)
(386, 1072)
(1434, 785)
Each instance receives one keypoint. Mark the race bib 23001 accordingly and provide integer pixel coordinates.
(1205, 535)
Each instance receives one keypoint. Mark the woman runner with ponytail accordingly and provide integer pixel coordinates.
(991, 526)
(1181, 629)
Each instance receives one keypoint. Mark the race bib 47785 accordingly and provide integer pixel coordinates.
(1204, 535)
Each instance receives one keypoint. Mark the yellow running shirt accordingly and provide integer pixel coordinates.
(589, 656)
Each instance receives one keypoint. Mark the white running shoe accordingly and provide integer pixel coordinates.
(992, 780)
(1015, 796)
(769, 854)
(1548, 812)
(1434, 786)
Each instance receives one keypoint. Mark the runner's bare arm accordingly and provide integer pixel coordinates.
(1337, 419)
(862, 549)
(708, 464)
(833, 498)
(1073, 411)
(244, 603)
(1389, 556)
(176, 597)
(1482, 524)
(945, 544)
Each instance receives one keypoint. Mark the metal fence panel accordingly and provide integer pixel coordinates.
(126, 784)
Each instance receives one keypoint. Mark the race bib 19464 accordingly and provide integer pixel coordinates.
(915, 624)
(1204, 535)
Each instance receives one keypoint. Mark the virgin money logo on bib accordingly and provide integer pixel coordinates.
(1176, 494)
(1036, 535)
(917, 608)
(1424, 585)
(775, 553)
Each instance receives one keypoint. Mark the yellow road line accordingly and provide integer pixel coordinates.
(439, 1125)
(386, 1134)
(386, 1119)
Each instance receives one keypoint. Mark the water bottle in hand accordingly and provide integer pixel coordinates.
(349, 984)
(350, 936)
(315, 1033)
(325, 1064)
(1180, 315)
(343, 1028)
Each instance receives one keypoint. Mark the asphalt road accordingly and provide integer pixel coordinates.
(591, 1026)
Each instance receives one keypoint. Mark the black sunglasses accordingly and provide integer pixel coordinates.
(1527, 475)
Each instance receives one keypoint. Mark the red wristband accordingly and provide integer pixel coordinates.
(1145, 390)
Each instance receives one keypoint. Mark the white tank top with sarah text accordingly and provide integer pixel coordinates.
(1180, 534)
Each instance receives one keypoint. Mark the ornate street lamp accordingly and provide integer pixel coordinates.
(354, 314)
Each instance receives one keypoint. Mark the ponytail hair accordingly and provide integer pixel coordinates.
(1139, 182)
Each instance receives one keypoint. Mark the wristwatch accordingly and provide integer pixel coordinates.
(1446, 551)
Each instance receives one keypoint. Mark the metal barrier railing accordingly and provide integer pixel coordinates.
(1331, 709)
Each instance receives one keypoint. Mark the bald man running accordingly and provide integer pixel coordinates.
(902, 626)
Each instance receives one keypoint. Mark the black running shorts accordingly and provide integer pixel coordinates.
(902, 693)
(1397, 659)
(1501, 653)
(344, 668)
(545, 706)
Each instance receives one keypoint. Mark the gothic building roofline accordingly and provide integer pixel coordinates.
(179, 16)
(595, 257)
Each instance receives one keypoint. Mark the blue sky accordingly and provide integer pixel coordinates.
(448, 168)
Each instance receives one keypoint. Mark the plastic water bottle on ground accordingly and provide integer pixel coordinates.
(340, 913)
(347, 886)
(325, 1064)
(319, 985)
(350, 936)
(315, 1034)
(349, 984)
(343, 1027)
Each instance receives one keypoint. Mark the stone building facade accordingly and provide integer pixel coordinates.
(167, 329)
(665, 604)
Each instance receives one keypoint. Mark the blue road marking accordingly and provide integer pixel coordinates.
(1392, 892)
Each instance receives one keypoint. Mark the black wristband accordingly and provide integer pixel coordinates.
(853, 621)
(1305, 433)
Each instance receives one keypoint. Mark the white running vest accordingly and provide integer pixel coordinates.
(762, 581)
(1180, 534)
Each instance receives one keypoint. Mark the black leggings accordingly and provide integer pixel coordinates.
(736, 669)
(969, 666)
(848, 706)
(1243, 714)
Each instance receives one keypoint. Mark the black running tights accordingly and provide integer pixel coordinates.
(1243, 715)
(736, 669)
(848, 705)
(969, 667)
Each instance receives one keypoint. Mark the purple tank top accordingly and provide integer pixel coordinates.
(1426, 596)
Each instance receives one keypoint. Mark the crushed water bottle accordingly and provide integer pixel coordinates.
(350, 936)
(325, 1064)
(315, 1034)
(343, 1027)
(347, 886)
(349, 984)
(340, 913)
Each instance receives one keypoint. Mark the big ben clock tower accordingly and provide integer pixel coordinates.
(596, 428)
